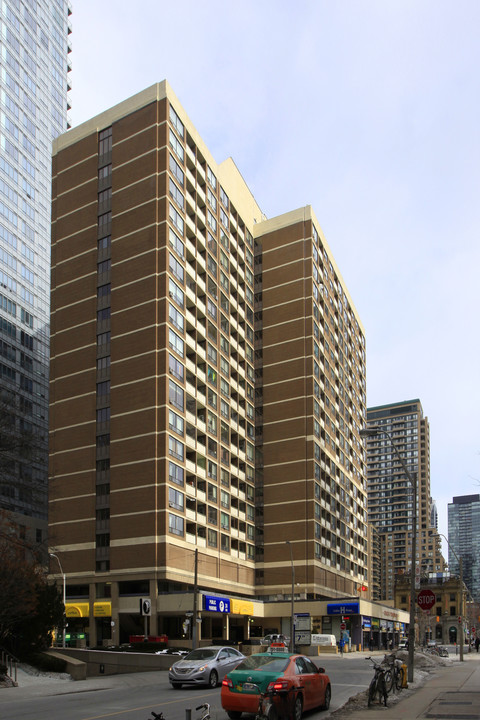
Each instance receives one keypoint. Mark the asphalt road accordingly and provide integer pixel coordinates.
(134, 696)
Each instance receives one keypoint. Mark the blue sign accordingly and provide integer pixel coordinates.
(367, 623)
(216, 604)
(349, 608)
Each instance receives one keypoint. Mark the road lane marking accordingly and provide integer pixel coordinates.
(136, 709)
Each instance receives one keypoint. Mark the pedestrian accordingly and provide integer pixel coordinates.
(477, 643)
(341, 644)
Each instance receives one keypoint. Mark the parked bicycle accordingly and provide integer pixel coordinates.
(205, 708)
(393, 672)
(377, 687)
(268, 709)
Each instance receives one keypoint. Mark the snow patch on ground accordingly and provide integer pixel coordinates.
(424, 665)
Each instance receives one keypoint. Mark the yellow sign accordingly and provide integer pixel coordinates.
(102, 609)
(75, 610)
(241, 607)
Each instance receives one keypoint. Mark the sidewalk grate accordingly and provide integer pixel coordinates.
(443, 707)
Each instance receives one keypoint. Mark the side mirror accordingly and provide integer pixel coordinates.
(321, 670)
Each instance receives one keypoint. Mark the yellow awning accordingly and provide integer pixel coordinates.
(73, 610)
(241, 607)
(102, 609)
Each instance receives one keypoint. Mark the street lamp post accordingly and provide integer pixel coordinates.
(64, 593)
(373, 431)
(460, 578)
(292, 609)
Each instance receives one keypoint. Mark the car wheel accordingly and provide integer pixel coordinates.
(176, 686)
(213, 679)
(298, 708)
(327, 698)
(234, 714)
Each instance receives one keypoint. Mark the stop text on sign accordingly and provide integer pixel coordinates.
(426, 599)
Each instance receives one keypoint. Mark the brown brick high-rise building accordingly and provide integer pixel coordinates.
(207, 387)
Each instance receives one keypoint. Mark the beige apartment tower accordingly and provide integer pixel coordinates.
(207, 388)
(390, 494)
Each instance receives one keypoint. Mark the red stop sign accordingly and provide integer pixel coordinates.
(343, 626)
(426, 599)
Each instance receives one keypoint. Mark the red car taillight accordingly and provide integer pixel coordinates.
(278, 685)
(227, 682)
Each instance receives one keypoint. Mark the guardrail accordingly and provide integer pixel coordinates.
(10, 662)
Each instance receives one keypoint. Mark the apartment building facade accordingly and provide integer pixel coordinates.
(310, 352)
(207, 387)
(391, 501)
(464, 541)
(34, 81)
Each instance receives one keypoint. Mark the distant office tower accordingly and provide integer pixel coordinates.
(464, 540)
(390, 494)
(34, 104)
(207, 385)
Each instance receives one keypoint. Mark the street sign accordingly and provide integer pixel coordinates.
(343, 626)
(303, 637)
(426, 599)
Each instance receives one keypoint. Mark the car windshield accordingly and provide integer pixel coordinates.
(264, 662)
(201, 654)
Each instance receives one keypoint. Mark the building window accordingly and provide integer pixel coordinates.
(176, 219)
(212, 470)
(176, 194)
(175, 293)
(175, 243)
(175, 448)
(175, 524)
(175, 422)
(225, 543)
(212, 538)
(176, 268)
(175, 367)
(176, 122)
(175, 395)
(211, 178)
(224, 499)
(175, 317)
(175, 473)
(176, 171)
(212, 515)
(175, 499)
(176, 146)
(223, 198)
(105, 141)
(175, 342)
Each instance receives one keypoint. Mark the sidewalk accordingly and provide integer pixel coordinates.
(449, 693)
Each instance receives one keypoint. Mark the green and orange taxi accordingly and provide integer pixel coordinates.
(294, 680)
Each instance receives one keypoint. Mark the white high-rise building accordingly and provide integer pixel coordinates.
(34, 101)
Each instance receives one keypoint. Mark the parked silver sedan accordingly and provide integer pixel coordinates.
(204, 666)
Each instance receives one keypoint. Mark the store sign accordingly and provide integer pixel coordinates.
(241, 607)
(76, 610)
(343, 608)
(216, 604)
(102, 609)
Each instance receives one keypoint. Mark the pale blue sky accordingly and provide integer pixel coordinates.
(368, 111)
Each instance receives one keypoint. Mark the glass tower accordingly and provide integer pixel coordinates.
(464, 540)
(34, 102)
